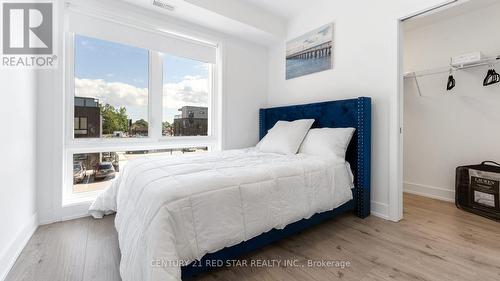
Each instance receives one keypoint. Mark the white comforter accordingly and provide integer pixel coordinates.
(172, 209)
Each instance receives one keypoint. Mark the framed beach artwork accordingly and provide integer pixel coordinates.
(310, 53)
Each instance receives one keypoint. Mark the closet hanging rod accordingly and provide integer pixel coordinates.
(483, 62)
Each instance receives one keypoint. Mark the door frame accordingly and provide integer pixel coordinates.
(396, 198)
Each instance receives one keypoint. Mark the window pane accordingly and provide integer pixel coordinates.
(186, 96)
(95, 171)
(76, 123)
(83, 123)
(111, 89)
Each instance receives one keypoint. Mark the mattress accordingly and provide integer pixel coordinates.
(174, 210)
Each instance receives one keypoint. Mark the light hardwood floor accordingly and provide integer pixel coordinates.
(434, 241)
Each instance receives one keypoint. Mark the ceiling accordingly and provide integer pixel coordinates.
(260, 21)
(462, 7)
(234, 17)
(285, 9)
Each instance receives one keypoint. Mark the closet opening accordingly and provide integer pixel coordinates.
(449, 101)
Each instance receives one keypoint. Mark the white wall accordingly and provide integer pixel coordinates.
(18, 169)
(245, 92)
(244, 89)
(443, 129)
(365, 64)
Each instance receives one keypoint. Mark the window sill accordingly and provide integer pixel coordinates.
(80, 199)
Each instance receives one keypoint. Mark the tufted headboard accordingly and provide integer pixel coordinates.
(354, 113)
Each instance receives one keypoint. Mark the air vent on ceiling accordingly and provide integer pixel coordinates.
(163, 5)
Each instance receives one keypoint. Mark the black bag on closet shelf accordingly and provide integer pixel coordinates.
(477, 189)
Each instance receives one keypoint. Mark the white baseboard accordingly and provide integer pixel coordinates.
(438, 193)
(68, 212)
(380, 210)
(10, 255)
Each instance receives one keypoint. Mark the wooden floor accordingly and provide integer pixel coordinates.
(435, 241)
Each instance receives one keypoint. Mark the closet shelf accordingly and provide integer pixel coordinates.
(483, 62)
(486, 61)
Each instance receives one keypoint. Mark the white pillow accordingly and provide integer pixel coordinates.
(329, 142)
(285, 137)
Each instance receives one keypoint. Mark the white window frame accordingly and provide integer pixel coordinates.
(155, 139)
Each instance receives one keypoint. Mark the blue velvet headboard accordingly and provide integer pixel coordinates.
(354, 113)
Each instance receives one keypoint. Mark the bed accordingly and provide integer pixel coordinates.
(176, 215)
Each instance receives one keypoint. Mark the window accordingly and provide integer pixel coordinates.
(95, 171)
(186, 96)
(80, 126)
(132, 92)
(111, 88)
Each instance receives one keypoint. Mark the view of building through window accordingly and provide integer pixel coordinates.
(111, 89)
(94, 171)
(111, 100)
(186, 89)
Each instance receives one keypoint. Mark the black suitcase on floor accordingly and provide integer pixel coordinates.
(477, 189)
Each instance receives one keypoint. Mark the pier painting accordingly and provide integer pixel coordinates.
(310, 53)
